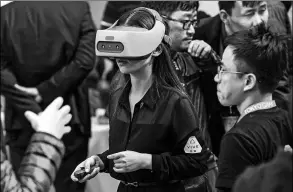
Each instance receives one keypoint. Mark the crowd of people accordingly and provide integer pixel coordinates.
(209, 109)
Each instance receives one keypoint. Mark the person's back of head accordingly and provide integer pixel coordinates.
(262, 53)
(168, 7)
(274, 176)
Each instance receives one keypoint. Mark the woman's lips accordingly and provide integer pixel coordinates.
(122, 62)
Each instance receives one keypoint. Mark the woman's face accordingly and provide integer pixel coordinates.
(132, 66)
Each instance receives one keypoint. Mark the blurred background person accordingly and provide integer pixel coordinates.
(47, 50)
(44, 153)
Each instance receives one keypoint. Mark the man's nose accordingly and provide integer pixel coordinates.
(191, 30)
(216, 78)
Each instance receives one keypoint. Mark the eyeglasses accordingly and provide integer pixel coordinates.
(220, 71)
(186, 23)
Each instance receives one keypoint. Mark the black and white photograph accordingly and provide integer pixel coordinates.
(146, 96)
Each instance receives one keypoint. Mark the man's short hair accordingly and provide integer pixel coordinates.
(229, 5)
(168, 7)
(261, 52)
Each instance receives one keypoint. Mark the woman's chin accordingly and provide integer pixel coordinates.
(124, 70)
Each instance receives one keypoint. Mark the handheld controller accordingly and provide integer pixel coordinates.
(80, 174)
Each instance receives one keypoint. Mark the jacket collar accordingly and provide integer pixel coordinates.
(149, 99)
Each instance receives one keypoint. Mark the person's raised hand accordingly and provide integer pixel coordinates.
(52, 120)
(199, 48)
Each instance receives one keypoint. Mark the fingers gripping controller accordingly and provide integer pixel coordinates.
(81, 173)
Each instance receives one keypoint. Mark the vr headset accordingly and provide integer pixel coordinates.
(130, 42)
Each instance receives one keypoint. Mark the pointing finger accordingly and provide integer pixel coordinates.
(116, 155)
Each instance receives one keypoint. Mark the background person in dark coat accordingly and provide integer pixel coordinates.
(47, 49)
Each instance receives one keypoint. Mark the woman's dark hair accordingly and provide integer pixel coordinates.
(162, 66)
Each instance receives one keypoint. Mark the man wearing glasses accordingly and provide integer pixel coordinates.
(181, 18)
(233, 16)
(182, 23)
(253, 63)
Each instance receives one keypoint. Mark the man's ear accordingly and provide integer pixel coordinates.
(250, 82)
(224, 16)
(157, 51)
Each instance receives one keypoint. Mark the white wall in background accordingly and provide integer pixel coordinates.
(5, 2)
(210, 7)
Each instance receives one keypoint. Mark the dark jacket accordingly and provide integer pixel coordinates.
(38, 168)
(50, 46)
(189, 74)
(163, 123)
(253, 140)
(211, 30)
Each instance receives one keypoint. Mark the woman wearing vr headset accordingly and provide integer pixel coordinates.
(154, 139)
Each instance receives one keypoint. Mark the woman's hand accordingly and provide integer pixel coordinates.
(52, 120)
(129, 161)
(93, 161)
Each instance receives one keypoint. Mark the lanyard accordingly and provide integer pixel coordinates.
(258, 106)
